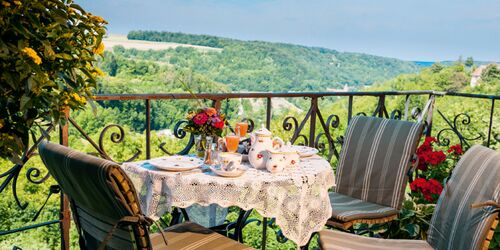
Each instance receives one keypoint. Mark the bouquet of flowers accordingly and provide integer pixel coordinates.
(206, 121)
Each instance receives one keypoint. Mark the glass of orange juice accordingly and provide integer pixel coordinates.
(241, 128)
(232, 142)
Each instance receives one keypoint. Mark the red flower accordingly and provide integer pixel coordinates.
(456, 149)
(426, 187)
(200, 118)
(427, 156)
(219, 124)
(436, 157)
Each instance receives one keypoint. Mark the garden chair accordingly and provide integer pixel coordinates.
(106, 210)
(465, 216)
(373, 170)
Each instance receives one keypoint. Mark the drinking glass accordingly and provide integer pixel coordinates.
(232, 142)
(241, 128)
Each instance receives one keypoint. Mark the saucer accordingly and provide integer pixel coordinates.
(235, 173)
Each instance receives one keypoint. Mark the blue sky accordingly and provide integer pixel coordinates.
(423, 30)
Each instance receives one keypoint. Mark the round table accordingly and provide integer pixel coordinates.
(297, 197)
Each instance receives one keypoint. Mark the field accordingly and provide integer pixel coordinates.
(114, 40)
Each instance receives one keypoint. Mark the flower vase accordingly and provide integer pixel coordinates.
(200, 141)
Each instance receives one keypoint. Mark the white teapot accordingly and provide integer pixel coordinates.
(262, 141)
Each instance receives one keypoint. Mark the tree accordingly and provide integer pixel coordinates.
(469, 62)
(491, 74)
(47, 57)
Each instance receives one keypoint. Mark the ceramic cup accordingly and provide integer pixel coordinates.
(229, 161)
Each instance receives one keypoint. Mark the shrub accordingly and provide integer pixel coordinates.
(47, 56)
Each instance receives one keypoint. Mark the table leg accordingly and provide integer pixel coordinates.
(264, 232)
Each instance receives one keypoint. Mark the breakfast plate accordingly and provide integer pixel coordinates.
(176, 163)
(305, 151)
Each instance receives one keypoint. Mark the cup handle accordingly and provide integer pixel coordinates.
(221, 144)
(278, 142)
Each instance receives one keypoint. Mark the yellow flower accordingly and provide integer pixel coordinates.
(97, 72)
(5, 4)
(78, 98)
(98, 19)
(31, 53)
(17, 2)
(99, 49)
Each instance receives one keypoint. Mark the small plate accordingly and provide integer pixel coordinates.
(176, 163)
(236, 173)
(305, 151)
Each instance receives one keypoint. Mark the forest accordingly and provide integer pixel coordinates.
(240, 66)
(266, 66)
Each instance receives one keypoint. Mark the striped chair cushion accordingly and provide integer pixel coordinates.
(191, 236)
(375, 159)
(100, 193)
(329, 239)
(346, 208)
(475, 179)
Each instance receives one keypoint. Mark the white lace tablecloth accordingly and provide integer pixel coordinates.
(297, 197)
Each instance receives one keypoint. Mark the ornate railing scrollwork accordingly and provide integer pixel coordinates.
(396, 114)
(12, 174)
(115, 138)
(179, 133)
(287, 126)
(34, 173)
(332, 122)
(455, 128)
(296, 129)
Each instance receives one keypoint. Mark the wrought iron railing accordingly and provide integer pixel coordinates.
(318, 128)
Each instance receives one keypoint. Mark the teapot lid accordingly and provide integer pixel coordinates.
(263, 132)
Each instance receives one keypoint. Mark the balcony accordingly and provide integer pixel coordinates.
(318, 120)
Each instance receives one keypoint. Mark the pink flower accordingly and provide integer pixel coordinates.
(200, 118)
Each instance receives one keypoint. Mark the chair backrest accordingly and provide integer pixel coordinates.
(375, 159)
(475, 179)
(100, 194)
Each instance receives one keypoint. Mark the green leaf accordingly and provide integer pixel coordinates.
(412, 229)
(24, 102)
(64, 56)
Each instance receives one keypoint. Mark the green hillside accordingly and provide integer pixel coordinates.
(256, 65)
